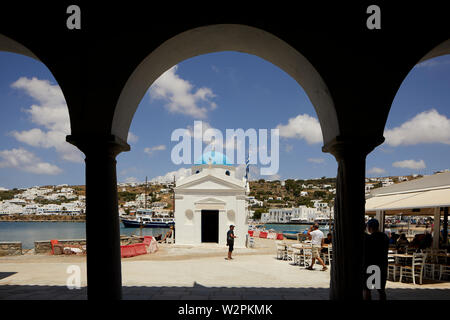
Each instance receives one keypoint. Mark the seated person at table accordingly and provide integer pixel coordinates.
(418, 238)
(402, 243)
(426, 242)
(393, 238)
(327, 241)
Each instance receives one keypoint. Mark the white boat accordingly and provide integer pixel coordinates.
(147, 218)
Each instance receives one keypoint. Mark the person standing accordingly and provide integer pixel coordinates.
(316, 237)
(376, 249)
(230, 241)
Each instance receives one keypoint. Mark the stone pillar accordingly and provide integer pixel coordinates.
(349, 224)
(380, 216)
(436, 227)
(104, 278)
(445, 227)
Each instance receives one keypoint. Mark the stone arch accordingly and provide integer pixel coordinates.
(9, 45)
(225, 37)
(441, 49)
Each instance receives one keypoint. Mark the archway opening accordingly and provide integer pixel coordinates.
(413, 162)
(173, 112)
(41, 177)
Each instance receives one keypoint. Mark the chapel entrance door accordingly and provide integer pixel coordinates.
(210, 226)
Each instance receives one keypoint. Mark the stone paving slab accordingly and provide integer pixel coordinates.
(182, 293)
(247, 277)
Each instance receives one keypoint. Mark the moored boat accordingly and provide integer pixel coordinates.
(147, 222)
(147, 218)
(290, 234)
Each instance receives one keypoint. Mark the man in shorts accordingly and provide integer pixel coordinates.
(316, 237)
(230, 241)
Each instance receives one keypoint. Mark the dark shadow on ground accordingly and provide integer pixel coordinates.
(198, 292)
(4, 275)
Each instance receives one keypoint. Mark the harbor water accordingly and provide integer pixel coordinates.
(28, 232)
(279, 228)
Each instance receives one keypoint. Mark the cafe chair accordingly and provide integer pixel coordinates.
(393, 266)
(306, 258)
(326, 257)
(444, 270)
(289, 253)
(414, 270)
(297, 253)
(281, 250)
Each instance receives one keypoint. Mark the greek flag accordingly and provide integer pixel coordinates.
(247, 167)
(247, 163)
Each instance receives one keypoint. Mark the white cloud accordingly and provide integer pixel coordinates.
(151, 150)
(51, 114)
(132, 138)
(197, 125)
(180, 95)
(127, 171)
(316, 160)
(131, 180)
(410, 164)
(24, 160)
(302, 127)
(376, 171)
(168, 177)
(426, 127)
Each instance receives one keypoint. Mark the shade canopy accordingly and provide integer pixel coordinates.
(427, 192)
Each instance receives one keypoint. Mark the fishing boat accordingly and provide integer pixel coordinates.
(147, 218)
(290, 234)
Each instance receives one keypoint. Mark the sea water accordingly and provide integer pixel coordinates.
(28, 232)
(279, 228)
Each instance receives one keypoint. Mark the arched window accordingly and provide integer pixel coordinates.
(227, 173)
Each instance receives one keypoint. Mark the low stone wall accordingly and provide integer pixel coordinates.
(10, 248)
(45, 246)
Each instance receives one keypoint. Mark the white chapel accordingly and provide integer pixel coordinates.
(209, 201)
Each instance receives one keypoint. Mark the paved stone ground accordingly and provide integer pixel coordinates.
(247, 277)
(15, 292)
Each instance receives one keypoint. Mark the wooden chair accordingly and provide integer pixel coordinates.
(297, 252)
(306, 258)
(330, 254)
(393, 266)
(444, 270)
(281, 250)
(289, 253)
(414, 270)
(432, 262)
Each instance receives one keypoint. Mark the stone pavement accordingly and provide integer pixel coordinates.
(15, 292)
(254, 277)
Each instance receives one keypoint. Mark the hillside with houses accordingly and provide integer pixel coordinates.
(276, 201)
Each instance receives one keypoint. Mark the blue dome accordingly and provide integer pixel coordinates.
(213, 157)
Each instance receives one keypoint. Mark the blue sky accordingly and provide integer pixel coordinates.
(226, 90)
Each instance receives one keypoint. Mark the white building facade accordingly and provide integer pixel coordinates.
(208, 202)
